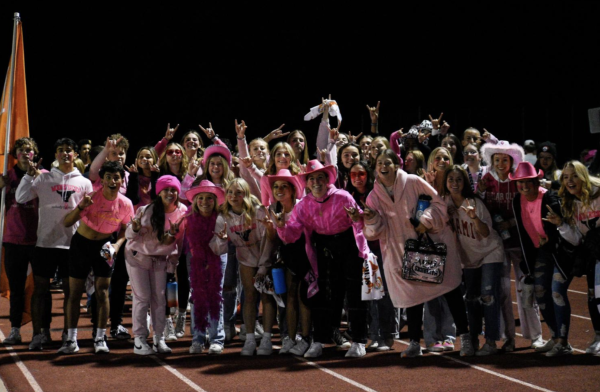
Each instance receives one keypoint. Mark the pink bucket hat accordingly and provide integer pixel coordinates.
(208, 187)
(216, 149)
(316, 166)
(525, 170)
(166, 182)
(283, 175)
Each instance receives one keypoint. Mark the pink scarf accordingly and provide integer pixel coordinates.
(205, 269)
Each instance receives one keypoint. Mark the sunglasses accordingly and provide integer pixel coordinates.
(173, 152)
(360, 174)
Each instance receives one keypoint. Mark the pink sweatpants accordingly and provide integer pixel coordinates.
(148, 277)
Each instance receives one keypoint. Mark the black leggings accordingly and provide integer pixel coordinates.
(414, 315)
(16, 262)
(592, 300)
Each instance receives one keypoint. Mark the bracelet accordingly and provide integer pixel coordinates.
(168, 233)
(216, 135)
(239, 138)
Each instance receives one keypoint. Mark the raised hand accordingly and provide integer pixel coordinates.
(170, 131)
(247, 162)
(276, 134)
(132, 168)
(353, 139)
(111, 144)
(353, 213)
(136, 223)
(552, 217)
(155, 168)
(34, 168)
(301, 166)
(240, 129)
(374, 112)
(470, 210)
(322, 154)
(430, 176)
(267, 222)
(193, 166)
(223, 233)
(86, 201)
(435, 122)
(210, 132)
(333, 133)
(444, 128)
(486, 135)
(279, 219)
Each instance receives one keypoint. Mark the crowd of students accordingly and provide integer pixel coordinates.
(219, 219)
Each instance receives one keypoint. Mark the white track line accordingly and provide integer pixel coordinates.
(515, 380)
(572, 315)
(34, 385)
(331, 372)
(572, 291)
(176, 373)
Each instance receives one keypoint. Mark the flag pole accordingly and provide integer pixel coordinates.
(11, 80)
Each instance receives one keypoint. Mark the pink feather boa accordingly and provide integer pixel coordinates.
(205, 269)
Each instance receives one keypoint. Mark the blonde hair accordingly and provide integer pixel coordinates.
(195, 203)
(588, 193)
(271, 169)
(183, 166)
(227, 174)
(434, 153)
(250, 204)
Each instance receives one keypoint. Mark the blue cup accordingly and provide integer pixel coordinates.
(279, 280)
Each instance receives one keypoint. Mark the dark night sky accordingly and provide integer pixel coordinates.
(519, 70)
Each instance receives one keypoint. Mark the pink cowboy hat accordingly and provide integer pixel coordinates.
(216, 149)
(525, 170)
(283, 175)
(316, 166)
(503, 147)
(208, 187)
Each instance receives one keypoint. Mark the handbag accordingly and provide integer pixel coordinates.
(424, 260)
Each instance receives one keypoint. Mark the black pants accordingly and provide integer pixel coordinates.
(414, 315)
(592, 300)
(16, 262)
(183, 283)
(118, 289)
(340, 274)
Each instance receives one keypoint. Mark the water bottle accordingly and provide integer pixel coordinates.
(503, 233)
(422, 205)
(172, 295)
(279, 280)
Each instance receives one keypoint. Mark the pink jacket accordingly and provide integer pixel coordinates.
(21, 220)
(392, 228)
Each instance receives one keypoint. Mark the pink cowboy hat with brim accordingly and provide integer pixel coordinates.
(503, 147)
(524, 171)
(216, 149)
(206, 186)
(283, 175)
(316, 166)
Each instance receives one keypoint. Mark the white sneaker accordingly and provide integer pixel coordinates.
(356, 350)
(466, 347)
(180, 325)
(160, 346)
(14, 337)
(385, 345)
(266, 347)
(286, 345)
(100, 346)
(215, 348)
(196, 347)
(594, 347)
(68, 347)
(546, 347)
(258, 330)
(315, 350)
(537, 343)
(249, 348)
(36, 342)
(413, 350)
(372, 345)
(141, 346)
(169, 332)
(300, 347)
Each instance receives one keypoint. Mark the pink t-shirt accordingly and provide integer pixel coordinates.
(531, 213)
(107, 216)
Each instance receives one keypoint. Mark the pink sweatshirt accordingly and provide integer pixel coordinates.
(21, 220)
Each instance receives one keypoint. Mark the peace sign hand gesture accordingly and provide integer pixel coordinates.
(136, 223)
(353, 213)
(353, 139)
(367, 212)
(34, 168)
(193, 166)
(131, 169)
(170, 131)
(210, 133)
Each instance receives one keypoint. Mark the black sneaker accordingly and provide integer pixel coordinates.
(340, 341)
(120, 333)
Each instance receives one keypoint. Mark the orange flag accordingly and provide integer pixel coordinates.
(19, 128)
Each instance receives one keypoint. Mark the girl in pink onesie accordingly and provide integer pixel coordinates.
(154, 243)
(240, 222)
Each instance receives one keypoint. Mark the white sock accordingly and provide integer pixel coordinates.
(72, 334)
(100, 332)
